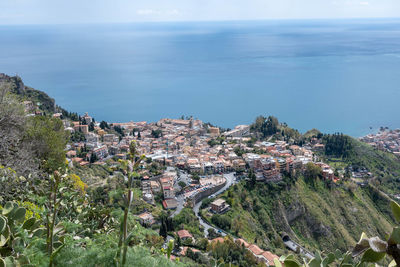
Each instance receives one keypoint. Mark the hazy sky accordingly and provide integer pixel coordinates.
(91, 11)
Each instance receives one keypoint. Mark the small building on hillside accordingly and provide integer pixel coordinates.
(184, 234)
(170, 204)
(214, 131)
(146, 219)
(255, 250)
(219, 206)
(268, 258)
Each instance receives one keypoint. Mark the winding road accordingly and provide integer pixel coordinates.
(230, 180)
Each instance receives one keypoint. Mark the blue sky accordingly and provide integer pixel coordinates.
(103, 11)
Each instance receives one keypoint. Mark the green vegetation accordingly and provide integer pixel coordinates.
(367, 251)
(187, 220)
(315, 215)
(230, 251)
(265, 127)
(384, 166)
(338, 145)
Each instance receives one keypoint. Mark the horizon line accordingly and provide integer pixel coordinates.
(202, 21)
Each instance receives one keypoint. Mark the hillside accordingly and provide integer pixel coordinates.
(318, 217)
(39, 98)
(317, 213)
(384, 166)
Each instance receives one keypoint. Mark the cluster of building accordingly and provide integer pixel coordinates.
(192, 146)
(280, 158)
(386, 140)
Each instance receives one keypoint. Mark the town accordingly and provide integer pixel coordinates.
(385, 139)
(188, 161)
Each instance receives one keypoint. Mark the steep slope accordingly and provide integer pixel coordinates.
(318, 217)
(46, 103)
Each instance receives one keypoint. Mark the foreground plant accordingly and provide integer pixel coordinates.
(129, 168)
(15, 234)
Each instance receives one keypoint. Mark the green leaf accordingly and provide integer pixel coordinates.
(277, 263)
(361, 246)
(2, 262)
(395, 210)
(56, 252)
(338, 254)
(22, 260)
(291, 263)
(3, 223)
(392, 264)
(314, 263)
(57, 244)
(328, 260)
(318, 256)
(346, 258)
(282, 258)
(38, 232)
(6, 232)
(377, 244)
(3, 240)
(19, 214)
(29, 223)
(289, 257)
(394, 236)
(8, 208)
(9, 262)
(372, 256)
(18, 242)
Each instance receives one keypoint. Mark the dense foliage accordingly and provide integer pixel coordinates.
(338, 145)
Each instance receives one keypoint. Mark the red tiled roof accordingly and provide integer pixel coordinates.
(184, 234)
(270, 257)
(255, 249)
(185, 249)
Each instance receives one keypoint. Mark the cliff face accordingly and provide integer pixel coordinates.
(46, 103)
(17, 86)
(315, 216)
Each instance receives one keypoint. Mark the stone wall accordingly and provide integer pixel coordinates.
(198, 197)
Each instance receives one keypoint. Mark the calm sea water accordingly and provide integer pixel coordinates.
(332, 75)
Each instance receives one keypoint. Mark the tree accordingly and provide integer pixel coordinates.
(221, 221)
(119, 130)
(252, 179)
(265, 126)
(156, 133)
(312, 172)
(93, 158)
(91, 126)
(104, 125)
(15, 151)
(338, 145)
(163, 230)
(48, 139)
(196, 177)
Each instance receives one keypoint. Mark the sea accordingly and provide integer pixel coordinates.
(333, 75)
